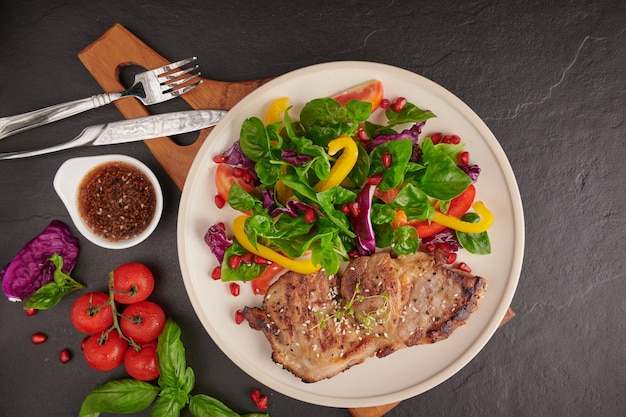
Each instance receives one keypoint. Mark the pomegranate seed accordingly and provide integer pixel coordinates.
(309, 216)
(375, 179)
(216, 273)
(387, 159)
(221, 225)
(444, 247)
(38, 338)
(464, 158)
(235, 289)
(259, 260)
(255, 395)
(451, 258)
(455, 139)
(239, 318)
(65, 356)
(355, 209)
(362, 134)
(353, 254)
(385, 103)
(219, 201)
(346, 209)
(219, 159)
(436, 138)
(430, 248)
(247, 177)
(463, 267)
(238, 172)
(247, 258)
(234, 261)
(30, 311)
(399, 104)
(261, 401)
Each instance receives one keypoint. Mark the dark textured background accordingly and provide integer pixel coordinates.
(549, 81)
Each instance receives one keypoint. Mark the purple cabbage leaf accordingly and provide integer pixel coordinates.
(39, 272)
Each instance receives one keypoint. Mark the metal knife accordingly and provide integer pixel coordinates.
(131, 130)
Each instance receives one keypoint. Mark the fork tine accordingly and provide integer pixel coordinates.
(177, 74)
(170, 86)
(175, 93)
(172, 66)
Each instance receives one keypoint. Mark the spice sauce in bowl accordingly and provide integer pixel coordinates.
(115, 201)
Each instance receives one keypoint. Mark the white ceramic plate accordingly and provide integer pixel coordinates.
(405, 373)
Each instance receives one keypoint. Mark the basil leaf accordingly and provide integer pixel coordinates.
(51, 293)
(171, 356)
(204, 406)
(253, 139)
(476, 243)
(122, 396)
(170, 402)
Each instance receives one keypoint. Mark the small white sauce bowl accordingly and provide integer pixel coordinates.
(67, 182)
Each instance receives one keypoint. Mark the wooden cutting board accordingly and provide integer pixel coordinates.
(118, 48)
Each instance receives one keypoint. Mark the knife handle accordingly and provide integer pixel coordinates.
(11, 125)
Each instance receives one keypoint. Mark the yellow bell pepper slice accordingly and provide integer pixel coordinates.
(276, 110)
(344, 163)
(486, 219)
(304, 266)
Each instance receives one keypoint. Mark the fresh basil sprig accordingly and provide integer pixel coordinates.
(49, 295)
(172, 393)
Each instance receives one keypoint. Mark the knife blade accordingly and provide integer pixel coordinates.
(132, 130)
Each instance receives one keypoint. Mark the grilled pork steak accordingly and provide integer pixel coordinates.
(320, 325)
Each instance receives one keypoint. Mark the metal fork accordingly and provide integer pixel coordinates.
(151, 87)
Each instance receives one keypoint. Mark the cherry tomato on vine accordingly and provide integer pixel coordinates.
(142, 364)
(91, 313)
(132, 282)
(142, 321)
(104, 353)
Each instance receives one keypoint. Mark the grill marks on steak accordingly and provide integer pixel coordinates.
(392, 303)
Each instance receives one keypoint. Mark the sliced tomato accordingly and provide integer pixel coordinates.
(262, 283)
(224, 179)
(387, 196)
(458, 207)
(370, 91)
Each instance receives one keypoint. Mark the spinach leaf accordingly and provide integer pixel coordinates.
(442, 179)
(414, 202)
(405, 240)
(239, 199)
(409, 114)
(361, 168)
(335, 196)
(122, 396)
(476, 243)
(393, 176)
(253, 139)
(245, 272)
(323, 120)
(382, 213)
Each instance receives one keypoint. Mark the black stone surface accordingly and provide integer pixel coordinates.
(547, 77)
